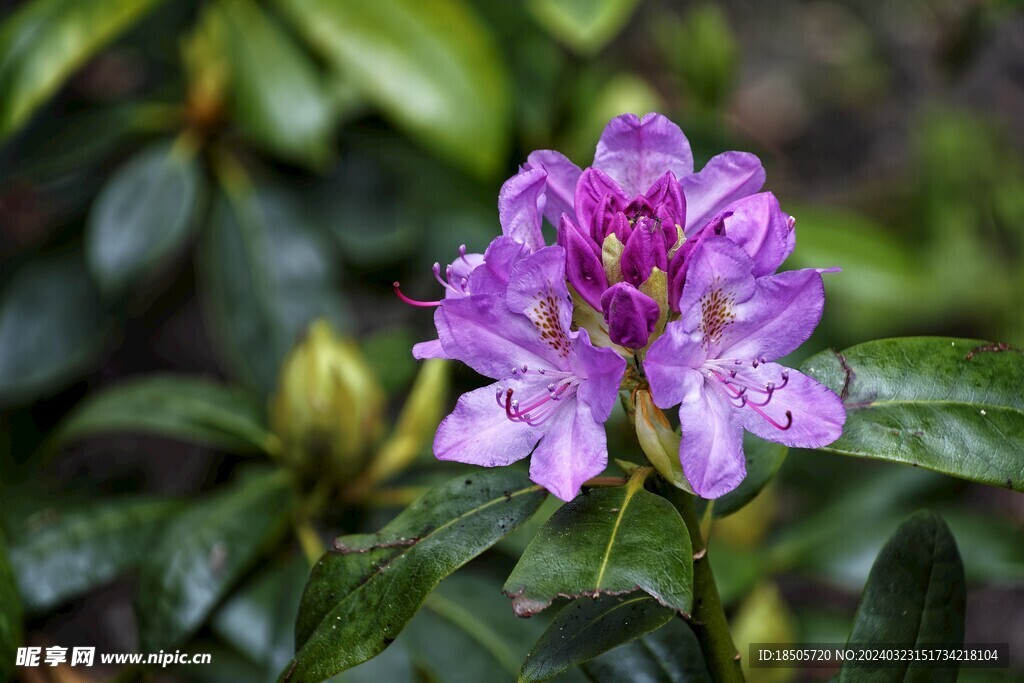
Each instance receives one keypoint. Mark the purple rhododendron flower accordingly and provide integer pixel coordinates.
(715, 362)
(641, 189)
(555, 390)
(680, 271)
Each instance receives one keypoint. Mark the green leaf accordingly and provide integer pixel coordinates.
(173, 405)
(584, 25)
(143, 215)
(589, 627)
(431, 67)
(52, 328)
(607, 541)
(669, 655)
(915, 595)
(266, 272)
(764, 458)
(204, 551)
(277, 96)
(950, 405)
(45, 41)
(361, 596)
(11, 615)
(466, 632)
(61, 551)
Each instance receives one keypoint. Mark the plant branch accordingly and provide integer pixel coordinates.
(708, 618)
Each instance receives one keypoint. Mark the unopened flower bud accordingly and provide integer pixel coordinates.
(658, 440)
(328, 405)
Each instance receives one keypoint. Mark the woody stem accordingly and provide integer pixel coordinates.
(708, 619)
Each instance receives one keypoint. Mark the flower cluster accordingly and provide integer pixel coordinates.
(669, 272)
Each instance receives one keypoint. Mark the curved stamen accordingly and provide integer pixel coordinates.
(726, 385)
(536, 409)
(437, 274)
(462, 255)
(773, 423)
(413, 302)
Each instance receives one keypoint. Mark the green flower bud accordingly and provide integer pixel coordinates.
(658, 440)
(328, 406)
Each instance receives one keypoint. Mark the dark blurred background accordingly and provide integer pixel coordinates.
(206, 178)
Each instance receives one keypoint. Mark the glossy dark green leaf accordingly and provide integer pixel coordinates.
(277, 96)
(669, 655)
(431, 67)
(590, 627)
(59, 551)
(764, 458)
(143, 215)
(177, 406)
(955, 406)
(607, 541)
(45, 41)
(466, 632)
(361, 595)
(203, 551)
(11, 615)
(258, 622)
(52, 328)
(584, 25)
(915, 595)
(266, 272)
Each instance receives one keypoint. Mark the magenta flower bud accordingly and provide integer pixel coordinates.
(598, 196)
(644, 251)
(583, 266)
(631, 315)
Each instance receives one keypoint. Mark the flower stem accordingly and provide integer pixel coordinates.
(708, 618)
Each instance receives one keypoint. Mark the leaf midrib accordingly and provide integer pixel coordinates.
(630, 493)
(964, 404)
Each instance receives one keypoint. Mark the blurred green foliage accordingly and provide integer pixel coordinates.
(185, 187)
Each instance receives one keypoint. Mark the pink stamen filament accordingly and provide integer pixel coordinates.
(726, 384)
(413, 302)
(530, 414)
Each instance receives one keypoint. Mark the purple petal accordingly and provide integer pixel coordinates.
(502, 254)
(644, 251)
(563, 175)
(631, 315)
(636, 152)
(603, 369)
(718, 281)
(674, 355)
(574, 449)
(680, 263)
(726, 178)
(428, 349)
(780, 316)
(598, 197)
(583, 265)
(711, 448)
(479, 432)
(484, 334)
(537, 290)
(520, 207)
(813, 413)
(759, 225)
